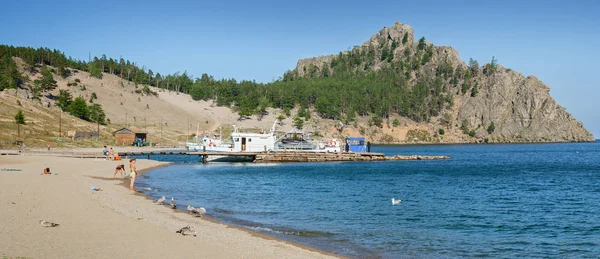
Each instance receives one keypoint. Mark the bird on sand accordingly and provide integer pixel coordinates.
(187, 230)
(48, 224)
(197, 211)
(161, 200)
(173, 204)
(396, 202)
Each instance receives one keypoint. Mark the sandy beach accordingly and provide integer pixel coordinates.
(112, 223)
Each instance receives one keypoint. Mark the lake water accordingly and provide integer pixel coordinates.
(500, 201)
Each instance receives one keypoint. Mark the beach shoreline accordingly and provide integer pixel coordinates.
(112, 222)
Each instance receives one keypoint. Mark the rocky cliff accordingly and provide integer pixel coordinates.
(489, 103)
(521, 109)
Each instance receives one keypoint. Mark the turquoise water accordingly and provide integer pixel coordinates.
(499, 201)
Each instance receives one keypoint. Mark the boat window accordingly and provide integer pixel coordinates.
(236, 139)
(249, 140)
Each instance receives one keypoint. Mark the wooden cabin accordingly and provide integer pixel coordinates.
(126, 136)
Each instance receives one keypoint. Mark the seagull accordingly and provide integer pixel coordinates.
(48, 224)
(396, 202)
(198, 211)
(187, 230)
(173, 204)
(161, 200)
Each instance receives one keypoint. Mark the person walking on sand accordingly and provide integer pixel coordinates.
(112, 154)
(48, 147)
(105, 152)
(120, 169)
(133, 173)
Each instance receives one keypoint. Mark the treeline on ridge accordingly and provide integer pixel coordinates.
(409, 84)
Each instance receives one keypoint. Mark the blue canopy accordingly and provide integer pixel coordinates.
(357, 144)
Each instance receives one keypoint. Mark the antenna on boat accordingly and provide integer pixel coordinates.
(273, 127)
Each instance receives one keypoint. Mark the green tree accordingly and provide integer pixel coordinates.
(396, 122)
(280, 118)
(474, 65)
(384, 53)
(93, 97)
(287, 112)
(64, 99)
(474, 91)
(422, 44)
(9, 74)
(493, 65)
(20, 120)
(405, 38)
(298, 122)
(47, 82)
(79, 108)
(472, 133)
(441, 131)
(377, 121)
(491, 128)
(96, 113)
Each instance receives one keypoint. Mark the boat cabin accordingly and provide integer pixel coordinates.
(252, 142)
(357, 144)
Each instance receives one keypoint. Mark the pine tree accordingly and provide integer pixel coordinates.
(47, 82)
(64, 99)
(491, 128)
(20, 120)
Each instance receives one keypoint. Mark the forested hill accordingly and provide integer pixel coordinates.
(394, 87)
(394, 74)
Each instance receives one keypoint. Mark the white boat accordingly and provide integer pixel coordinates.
(253, 142)
(209, 144)
(295, 140)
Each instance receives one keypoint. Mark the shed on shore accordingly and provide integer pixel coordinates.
(127, 136)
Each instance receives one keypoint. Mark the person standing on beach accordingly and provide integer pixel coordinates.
(105, 152)
(112, 154)
(369, 146)
(48, 147)
(133, 173)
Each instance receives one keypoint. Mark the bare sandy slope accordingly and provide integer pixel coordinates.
(171, 117)
(113, 223)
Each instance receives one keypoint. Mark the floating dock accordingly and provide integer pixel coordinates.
(292, 156)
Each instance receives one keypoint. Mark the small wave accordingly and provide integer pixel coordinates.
(224, 211)
(301, 233)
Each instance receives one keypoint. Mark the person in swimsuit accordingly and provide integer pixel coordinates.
(120, 169)
(133, 173)
(47, 170)
(111, 153)
(105, 153)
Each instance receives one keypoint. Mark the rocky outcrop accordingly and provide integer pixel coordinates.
(521, 109)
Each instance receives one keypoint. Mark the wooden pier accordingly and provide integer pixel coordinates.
(291, 156)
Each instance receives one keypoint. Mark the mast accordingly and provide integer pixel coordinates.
(197, 127)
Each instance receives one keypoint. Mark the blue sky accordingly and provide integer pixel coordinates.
(557, 41)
